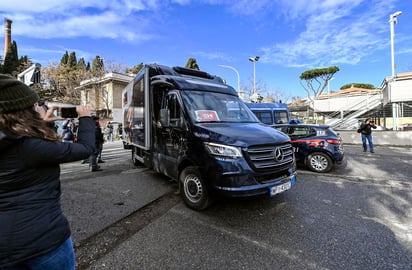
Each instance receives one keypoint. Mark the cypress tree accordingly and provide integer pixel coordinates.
(11, 60)
(192, 63)
(72, 60)
(81, 64)
(64, 59)
(97, 66)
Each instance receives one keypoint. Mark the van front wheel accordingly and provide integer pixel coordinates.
(193, 189)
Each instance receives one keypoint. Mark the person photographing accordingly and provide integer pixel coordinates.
(366, 132)
(34, 232)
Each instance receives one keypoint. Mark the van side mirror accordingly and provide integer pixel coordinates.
(164, 117)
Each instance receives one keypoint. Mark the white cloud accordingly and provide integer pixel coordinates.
(214, 56)
(74, 18)
(48, 6)
(332, 34)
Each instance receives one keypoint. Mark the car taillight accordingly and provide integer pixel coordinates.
(318, 143)
(334, 141)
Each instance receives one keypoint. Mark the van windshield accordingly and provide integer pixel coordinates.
(216, 107)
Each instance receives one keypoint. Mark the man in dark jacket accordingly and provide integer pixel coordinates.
(99, 139)
(34, 233)
(366, 132)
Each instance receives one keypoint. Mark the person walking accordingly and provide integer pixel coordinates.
(34, 232)
(68, 134)
(366, 132)
(109, 132)
(97, 154)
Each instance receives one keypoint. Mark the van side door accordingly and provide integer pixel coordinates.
(172, 135)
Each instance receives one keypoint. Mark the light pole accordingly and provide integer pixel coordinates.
(238, 77)
(393, 19)
(254, 60)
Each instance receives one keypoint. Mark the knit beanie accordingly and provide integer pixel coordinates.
(15, 95)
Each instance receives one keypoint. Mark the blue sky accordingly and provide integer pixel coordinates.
(290, 36)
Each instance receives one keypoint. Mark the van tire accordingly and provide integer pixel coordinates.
(319, 162)
(193, 189)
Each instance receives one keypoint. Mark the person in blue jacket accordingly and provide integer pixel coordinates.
(68, 134)
(34, 233)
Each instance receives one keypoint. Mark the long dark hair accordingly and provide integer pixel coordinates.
(27, 123)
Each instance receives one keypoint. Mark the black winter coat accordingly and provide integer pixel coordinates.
(99, 136)
(367, 128)
(31, 219)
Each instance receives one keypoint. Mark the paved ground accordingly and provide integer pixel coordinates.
(356, 217)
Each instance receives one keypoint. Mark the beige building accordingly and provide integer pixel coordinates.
(104, 94)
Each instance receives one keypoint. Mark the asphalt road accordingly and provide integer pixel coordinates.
(356, 217)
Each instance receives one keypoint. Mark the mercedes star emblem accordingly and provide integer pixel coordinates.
(278, 154)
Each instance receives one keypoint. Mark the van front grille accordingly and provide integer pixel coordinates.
(270, 157)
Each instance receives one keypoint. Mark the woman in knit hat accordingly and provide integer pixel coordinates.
(34, 233)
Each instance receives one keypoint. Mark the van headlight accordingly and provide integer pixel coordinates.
(222, 150)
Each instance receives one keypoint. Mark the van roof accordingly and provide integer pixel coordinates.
(189, 79)
(267, 106)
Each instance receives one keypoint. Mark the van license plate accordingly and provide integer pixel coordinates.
(279, 189)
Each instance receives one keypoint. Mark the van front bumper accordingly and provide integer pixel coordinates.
(253, 190)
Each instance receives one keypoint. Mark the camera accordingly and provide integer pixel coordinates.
(68, 112)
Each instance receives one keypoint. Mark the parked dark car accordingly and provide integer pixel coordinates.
(318, 147)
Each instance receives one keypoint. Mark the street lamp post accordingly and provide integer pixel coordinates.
(238, 77)
(393, 19)
(254, 60)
